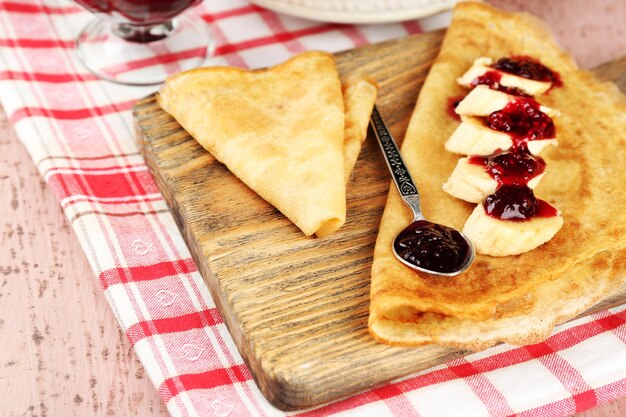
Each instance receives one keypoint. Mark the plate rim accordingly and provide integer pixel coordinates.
(348, 17)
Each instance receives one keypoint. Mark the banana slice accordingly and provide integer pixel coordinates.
(473, 137)
(472, 183)
(495, 237)
(482, 65)
(482, 101)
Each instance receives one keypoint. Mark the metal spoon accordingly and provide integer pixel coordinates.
(423, 245)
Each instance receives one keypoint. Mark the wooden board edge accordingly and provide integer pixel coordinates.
(279, 389)
(266, 381)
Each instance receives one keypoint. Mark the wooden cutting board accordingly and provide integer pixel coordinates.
(297, 307)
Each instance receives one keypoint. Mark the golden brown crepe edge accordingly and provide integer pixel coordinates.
(605, 266)
(168, 94)
(359, 99)
(606, 87)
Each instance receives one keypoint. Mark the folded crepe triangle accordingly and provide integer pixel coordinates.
(280, 130)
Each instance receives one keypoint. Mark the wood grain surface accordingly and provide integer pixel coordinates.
(78, 369)
(83, 365)
(62, 353)
(297, 307)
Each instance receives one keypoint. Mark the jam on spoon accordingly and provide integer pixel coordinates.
(423, 245)
(431, 246)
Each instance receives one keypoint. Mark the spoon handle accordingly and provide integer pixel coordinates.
(399, 172)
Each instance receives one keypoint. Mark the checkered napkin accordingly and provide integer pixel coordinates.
(78, 131)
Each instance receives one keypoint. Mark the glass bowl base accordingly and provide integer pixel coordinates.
(144, 55)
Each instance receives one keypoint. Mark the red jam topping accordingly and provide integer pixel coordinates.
(516, 203)
(432, 246)
(511, 202)
(492, 80)
(452, 103)
(523, 120)
(544, 209)
(527, 67)
(511, 168)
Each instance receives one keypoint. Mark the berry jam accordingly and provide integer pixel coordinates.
(452, 103)
(517, 203)
(492, 80)
(511, 202)
(527, 67)
(511, 168)
(432, 246)
(544, 209)
(137, 16)
(523, 120)
(142, 12)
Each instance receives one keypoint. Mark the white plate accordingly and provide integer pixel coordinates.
(357, 11)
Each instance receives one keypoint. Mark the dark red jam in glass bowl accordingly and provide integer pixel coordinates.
(142, 12)
(142, 42)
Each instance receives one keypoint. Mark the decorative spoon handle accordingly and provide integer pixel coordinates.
(399, 172)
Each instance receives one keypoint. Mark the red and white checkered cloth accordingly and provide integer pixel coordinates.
(78, 131)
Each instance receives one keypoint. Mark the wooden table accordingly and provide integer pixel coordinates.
(61, 351)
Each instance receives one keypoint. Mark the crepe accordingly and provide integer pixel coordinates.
(515, 299)
(359, 96)
(279, 130)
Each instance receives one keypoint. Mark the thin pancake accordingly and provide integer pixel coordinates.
(279, 130)
(359, 96)
(516, 299)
